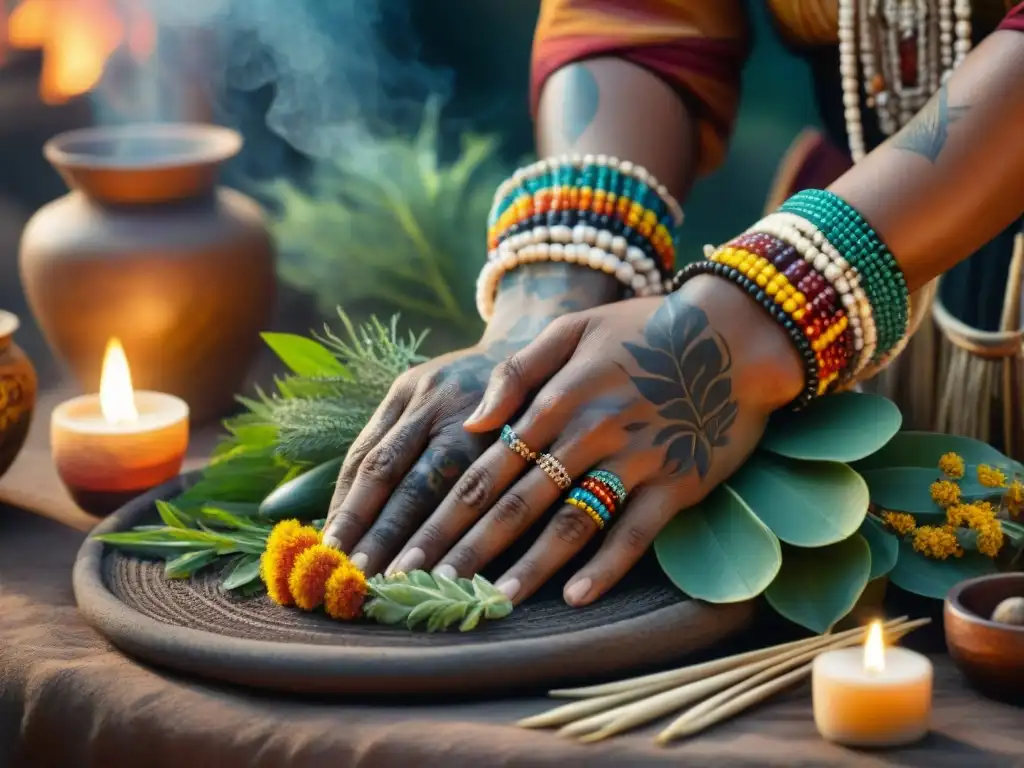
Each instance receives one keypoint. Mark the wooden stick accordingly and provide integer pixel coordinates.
(575, 710)
(629, 716)
(722, 705)
(690, 673)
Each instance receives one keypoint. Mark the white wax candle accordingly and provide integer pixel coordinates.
(866, 697)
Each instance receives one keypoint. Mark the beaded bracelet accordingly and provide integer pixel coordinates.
(852, 236)
(595, 211)
(777, 313)
(802, 293)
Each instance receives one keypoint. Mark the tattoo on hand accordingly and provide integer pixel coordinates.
(581, 100)
(435, 474)
(928, 132)
(690, 383)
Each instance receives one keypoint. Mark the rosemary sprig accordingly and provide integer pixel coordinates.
(421, 598)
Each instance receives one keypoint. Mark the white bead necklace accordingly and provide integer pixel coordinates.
(906, 50)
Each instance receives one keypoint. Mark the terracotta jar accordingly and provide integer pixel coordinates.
(17, 392)
(148, 248)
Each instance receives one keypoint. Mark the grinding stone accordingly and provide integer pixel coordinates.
(193, 627)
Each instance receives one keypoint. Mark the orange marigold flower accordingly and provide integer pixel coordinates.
(937, 543)
(308, 579)
(991, 477)
(952, 465)
(900, 522)
(286, 542)
(346, 590)
(945, 493)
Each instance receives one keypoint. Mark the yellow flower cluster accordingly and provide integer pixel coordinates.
(952, 465)
(991, 477)
(980, 517)
(900, 522)
(299, 570)
(938, 543)
(1014, 497)
(945, 493)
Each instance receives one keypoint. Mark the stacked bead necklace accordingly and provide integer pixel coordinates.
(907, 49)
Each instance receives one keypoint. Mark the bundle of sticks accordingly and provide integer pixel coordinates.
(708, 693)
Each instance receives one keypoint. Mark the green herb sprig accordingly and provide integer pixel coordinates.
(420, 598)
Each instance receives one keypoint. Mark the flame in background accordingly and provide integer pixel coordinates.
(77, 38)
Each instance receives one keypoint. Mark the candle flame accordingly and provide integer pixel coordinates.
(874, 648)
(117, 396)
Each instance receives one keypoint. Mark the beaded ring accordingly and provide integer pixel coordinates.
(606, 484)
(511, 439)
(773, 309)
(554, 469)
(592, 508)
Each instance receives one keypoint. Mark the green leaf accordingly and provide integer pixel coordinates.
(472, 618)
(245, 570)
(908, 489)
(934, 578)
(386, 612)
(719, 551)
(885, 546)
(1014, 531)
(184, 566)
(923, 449)
(304, 356)
(817, 587)
(425, 611)
(845, 427)
(804, 503)
(170, 516)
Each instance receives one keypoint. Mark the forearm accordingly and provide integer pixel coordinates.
(954, 177)
(613, 107)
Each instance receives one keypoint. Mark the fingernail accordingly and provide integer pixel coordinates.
(447, 571)
(359, 560)
(410, 561)
(330, 540)
(577, 593)
(510, 588)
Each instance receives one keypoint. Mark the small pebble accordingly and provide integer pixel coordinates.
(1010, 611)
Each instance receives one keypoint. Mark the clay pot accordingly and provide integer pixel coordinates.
(17, 392)
(148, 249)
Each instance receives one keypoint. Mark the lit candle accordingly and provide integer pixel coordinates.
(112, 446)
(872, 697)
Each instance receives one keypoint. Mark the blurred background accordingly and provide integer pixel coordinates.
(375, 133)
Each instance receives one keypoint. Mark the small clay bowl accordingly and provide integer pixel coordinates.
(989, 654)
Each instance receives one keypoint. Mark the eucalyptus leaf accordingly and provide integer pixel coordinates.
(804, 503)
(184, 566)
(845, 427)
(245, 570)
(304, 356)
(934, 578)
(719, 550)
(1014, 532)
(908, 489)
(885, 546)
(817, 587)
(924, 449)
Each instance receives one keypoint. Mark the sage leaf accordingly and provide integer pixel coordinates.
(472, 618)
(450, 589)
(245, 570)
(171, 517)
(386, 612)
(425, 611)
(498, 609)
(421, 579)
(445, 617)
(184, 566)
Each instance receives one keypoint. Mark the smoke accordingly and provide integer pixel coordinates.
(322, 75)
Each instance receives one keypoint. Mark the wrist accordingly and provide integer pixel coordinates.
(544, 291)
(768, 370)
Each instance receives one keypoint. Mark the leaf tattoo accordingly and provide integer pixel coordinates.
(689, 379)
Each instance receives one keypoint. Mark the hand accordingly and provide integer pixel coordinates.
(414, 449)
(671, 395)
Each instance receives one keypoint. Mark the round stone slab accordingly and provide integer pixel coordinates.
(194, 627)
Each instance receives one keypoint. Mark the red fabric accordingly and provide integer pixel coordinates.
(1014, 19)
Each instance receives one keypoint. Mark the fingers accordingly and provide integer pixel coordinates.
(627, 540)
(513, 380)
(376, 477)
(386, 416)
(415, 497)
(524, 503)
(562, 539)
(484, 482)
